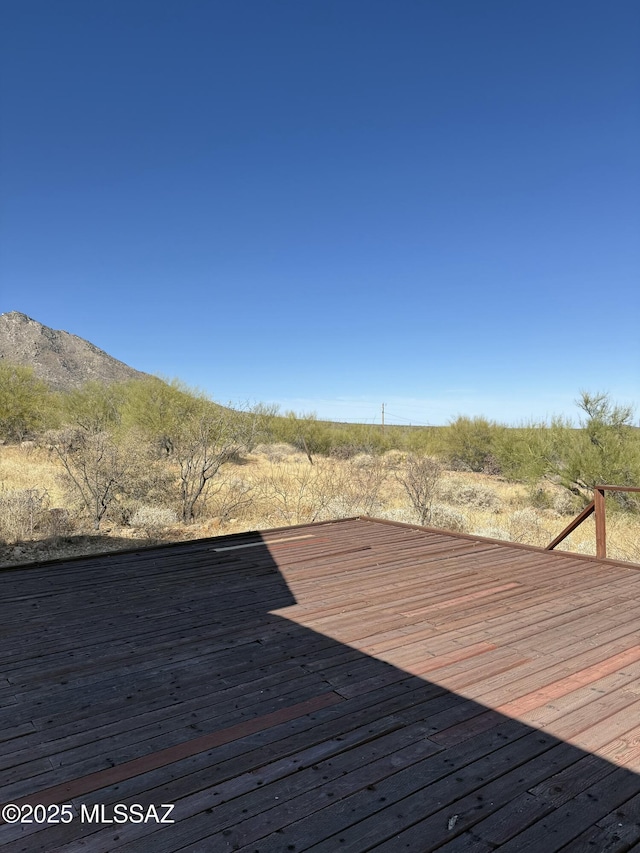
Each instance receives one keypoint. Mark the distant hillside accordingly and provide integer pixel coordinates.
(62, 360)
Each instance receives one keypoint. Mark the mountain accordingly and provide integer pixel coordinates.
(62, 360)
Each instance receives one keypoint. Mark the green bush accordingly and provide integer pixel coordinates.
(604, 450)
(469, 443)
(26, 404)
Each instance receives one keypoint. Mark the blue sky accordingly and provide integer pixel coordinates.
(331, 205)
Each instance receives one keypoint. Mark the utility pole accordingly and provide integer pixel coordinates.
(383, 417)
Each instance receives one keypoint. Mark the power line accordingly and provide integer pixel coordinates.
(408, 420)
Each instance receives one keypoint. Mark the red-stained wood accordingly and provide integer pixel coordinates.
(352, 685)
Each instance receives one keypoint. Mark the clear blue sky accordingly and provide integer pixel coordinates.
(330, 204)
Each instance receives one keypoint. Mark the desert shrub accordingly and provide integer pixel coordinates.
(469, 494)
(419, 478)
(364, 460)
(298, 493)
(94, 408)
(564, 503)
(198, 437)
(606, 449)
(231, 499)
(94, 469)
(22, 513)
(441, 516)
(291, 493)
(469, 443)
(493, 531)
(539, 497)
(492, 465)
(345, 451)
(26, 404)
(404, 514)
(526, 525)
(522, 452)
(395, 459)
(152, 518)
(447, 519)
(339, 507)
(455, 464)
(276, 452)
(424, 441)
(304, 431)
(57, 522)
(363, 483)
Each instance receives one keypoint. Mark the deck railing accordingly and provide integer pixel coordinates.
(596, 506)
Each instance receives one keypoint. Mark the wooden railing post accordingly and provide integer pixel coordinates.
(596, 506)
(601, 527)
(586, 512)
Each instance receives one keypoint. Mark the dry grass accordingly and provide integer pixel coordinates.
(30, 468)
(276, 486)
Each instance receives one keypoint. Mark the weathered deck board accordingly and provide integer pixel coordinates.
(352, 685)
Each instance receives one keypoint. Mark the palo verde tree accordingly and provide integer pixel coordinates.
(26, 404)
(94, 408)
(469, 442)
(303, 431)
(156, 408)
(522, 452)
(606, 448)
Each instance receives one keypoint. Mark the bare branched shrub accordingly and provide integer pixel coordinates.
(58, 522)
(149, 479)
(338, 507)
(233, 499)
(22, 513)
(207, 440)
(94, 468)
(335, 489)
(363, 484)
(419, 477)
(293, 494)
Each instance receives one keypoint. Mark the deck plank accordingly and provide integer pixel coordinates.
(351, 685)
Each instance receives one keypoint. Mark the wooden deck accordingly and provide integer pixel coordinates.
(347, 686)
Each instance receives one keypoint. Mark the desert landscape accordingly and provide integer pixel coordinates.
(275, 486)
(122, 460)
